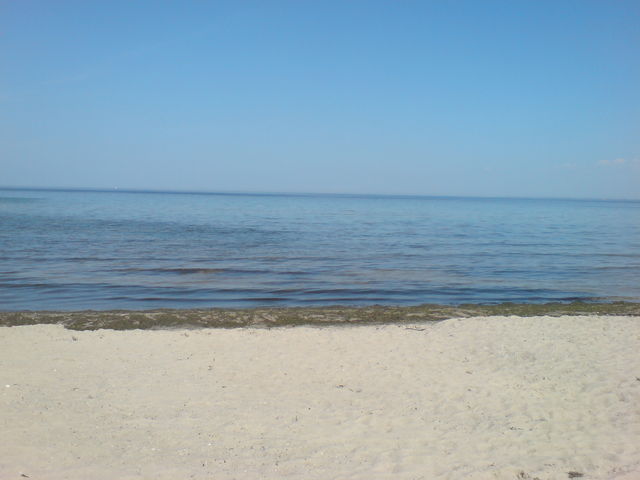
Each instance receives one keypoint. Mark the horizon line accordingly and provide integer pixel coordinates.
(296, 194)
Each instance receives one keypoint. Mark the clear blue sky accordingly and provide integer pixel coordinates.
(490, 98)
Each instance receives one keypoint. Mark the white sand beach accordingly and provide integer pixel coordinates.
(476, 398)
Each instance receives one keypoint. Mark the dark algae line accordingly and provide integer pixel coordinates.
(293, 316)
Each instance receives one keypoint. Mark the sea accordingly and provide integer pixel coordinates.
(108, 250)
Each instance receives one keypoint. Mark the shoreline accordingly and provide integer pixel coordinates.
(298, 316)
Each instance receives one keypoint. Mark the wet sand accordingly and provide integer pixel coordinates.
(476, 398)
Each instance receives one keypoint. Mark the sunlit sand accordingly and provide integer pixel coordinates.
(478, 398)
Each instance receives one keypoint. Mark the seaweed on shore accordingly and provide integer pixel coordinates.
(293, 316)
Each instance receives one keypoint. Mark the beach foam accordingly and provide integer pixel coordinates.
(475, 398)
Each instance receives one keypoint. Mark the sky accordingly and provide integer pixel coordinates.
(476, 98)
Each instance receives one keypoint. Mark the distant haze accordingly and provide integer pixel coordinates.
(486, 98)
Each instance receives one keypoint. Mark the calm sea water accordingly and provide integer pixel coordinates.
(102, 250)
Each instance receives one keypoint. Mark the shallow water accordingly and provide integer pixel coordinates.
(109, 250)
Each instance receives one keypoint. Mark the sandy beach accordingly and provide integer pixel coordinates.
(474, 398)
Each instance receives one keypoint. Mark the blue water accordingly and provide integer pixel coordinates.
(113, 250)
